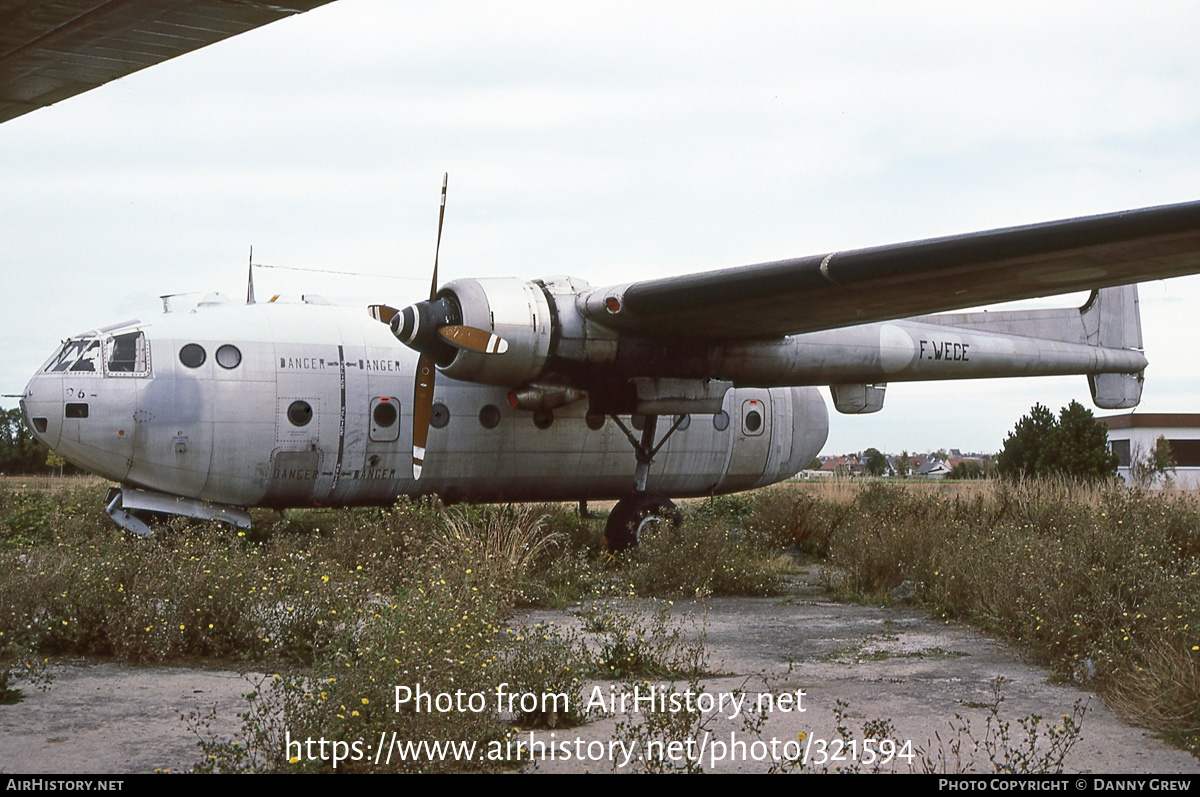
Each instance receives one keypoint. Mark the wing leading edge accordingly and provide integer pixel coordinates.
(840, 289)
(50, 51)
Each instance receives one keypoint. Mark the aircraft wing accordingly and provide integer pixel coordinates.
(841, 289)
(50, 51)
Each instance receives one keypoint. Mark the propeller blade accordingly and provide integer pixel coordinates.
(437, 251)
(426, 364)
(381, 312)
(473, 339)
(422, 410)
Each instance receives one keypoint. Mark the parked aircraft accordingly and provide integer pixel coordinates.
(546, 389)
(551, 389)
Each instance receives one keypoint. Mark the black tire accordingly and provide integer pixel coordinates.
(634, 515)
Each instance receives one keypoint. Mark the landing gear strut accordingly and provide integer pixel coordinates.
(641, 510)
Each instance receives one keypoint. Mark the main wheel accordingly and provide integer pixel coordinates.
(636, 514)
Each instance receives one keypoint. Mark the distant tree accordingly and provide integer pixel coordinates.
(1075, 444)
(815, 464)
(1024, 444)
(966, 470)
(904, 465)
(1147, 467)
(876, 462)
(1080, 445)
(19, 451)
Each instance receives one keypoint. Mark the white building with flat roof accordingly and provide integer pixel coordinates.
(1135, 435)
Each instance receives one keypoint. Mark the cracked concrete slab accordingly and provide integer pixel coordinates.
(893, 664)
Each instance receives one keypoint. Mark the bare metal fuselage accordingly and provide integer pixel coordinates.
(289, 405)
(230, 433)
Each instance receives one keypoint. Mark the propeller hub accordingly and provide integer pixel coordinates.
(417, 325)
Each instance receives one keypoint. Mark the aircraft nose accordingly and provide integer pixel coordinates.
(42, 405)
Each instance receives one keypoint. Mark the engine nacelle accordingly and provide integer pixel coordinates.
(514, 309)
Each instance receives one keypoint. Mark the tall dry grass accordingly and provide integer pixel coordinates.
(501, 546)
(1098, 582)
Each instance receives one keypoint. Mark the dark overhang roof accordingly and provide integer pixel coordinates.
(1153, 420)
(54, 49)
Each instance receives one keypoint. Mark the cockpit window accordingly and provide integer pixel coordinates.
(78, 356)
(127, 355)
(88, 362)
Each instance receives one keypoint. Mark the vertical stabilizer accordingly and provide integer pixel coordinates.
(1112, 320)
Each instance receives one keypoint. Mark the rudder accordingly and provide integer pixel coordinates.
(1111, 319)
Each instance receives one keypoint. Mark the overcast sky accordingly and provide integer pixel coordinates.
(613, 143)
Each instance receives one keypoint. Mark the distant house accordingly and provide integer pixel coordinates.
(840, 466)
(1133, 436)
(968, 467)
(930, 467)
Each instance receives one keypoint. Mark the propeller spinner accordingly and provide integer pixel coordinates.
(425, 327)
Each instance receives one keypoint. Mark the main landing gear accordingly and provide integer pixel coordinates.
(636, 514)
(641, 510)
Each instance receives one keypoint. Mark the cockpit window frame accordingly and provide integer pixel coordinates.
(102, 354)
(115, 354)
(72, 354)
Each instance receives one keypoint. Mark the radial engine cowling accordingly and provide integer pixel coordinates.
(515, 310)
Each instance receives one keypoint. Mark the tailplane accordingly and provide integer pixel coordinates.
(1109, 319)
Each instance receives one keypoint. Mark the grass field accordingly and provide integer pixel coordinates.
(1098, 583)
(40, 483)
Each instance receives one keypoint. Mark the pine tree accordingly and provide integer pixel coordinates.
(1075, 444)
(1023, 446)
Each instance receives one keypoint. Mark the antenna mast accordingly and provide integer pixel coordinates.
(250, 278)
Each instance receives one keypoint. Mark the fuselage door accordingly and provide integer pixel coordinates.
(296, 460)
(126, 360)
(751, 424)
